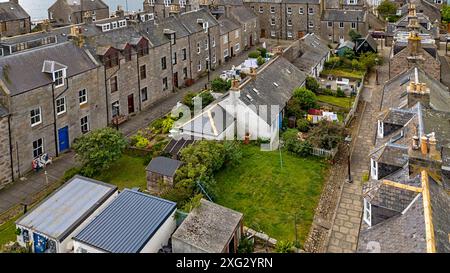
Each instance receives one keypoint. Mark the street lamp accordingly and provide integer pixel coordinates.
(348, 141)
(116, 116)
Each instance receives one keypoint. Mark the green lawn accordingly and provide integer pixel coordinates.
(270, 196)
(344, 102)
(8, 231)
(344, 72)
(126, 172)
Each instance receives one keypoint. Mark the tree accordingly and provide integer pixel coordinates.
(312, 84)
(387, 8)
(99, 148)
(354, 35)
(303, 125)
(368, 60)
(207, 98)
(326, 134)
(187, 99)
(348, 53)
(220, 85)
(260, 61)
(445, 11)
(306, 98)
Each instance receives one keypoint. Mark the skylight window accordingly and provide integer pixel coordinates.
(276, 84)
(249, 97)
(256, 91)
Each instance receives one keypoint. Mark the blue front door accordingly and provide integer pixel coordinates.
(63, 136)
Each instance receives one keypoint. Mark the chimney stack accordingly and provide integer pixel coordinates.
(414, 43)
(14, 1)
(87, 17)
(46, 27)
(253, 73)
(235, 85)
(424, 145)
(120, 12)
(434, 153)
(278, 50)
(147, 6)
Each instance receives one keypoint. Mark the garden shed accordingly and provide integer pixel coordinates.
(209, 228)
(161, 169)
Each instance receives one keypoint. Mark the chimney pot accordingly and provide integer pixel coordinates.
(424, 145)
(433, 150)
(235, 85)
(415, 145)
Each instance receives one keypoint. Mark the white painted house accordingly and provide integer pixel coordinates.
(50, 226)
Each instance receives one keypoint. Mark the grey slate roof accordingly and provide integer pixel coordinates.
(336, 15)
(208, 227)
(243, 13)
(398, 116)
(3, 111)
(10, 11)
(227, 25)
(63, 211)
(370, 40)
(163, 165)
(23, 71)
(313, 52)
(279, 71)
(391, 154)
(189, 20)
(127, 223)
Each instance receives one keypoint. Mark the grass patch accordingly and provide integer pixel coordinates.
(343, 102)
(8, 231)
(269, 196)
(127, 172)
(344, 72)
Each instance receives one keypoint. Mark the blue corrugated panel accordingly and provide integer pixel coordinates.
(128, 223)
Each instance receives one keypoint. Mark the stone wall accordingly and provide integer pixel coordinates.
(17, 27)
(334, 33)
(5, 160)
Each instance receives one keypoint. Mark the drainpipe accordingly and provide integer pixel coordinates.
(10, 147)
(106, 97)
(54, 118)
(171, 65)
(139, 79)
(307, 18)
(190, 59)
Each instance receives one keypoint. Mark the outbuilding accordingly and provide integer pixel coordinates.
(134, 222)
(209, 228)
(161, 170)
(50, 226)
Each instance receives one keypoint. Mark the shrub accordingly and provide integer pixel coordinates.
(284, 247)
(141, 141)
(156, 125)
(207, 98)
(365, 176)
(334, 61)
(340, 93)
(354, 35)
(254, 54)
(71, 173)
(99, 149)
(263, 51)
(312, 84)
(188, 100)
(260, 61)
(246, 245)
(220, 85)
(326, 134)
(303, 125)
(305, 98)
(327, 91)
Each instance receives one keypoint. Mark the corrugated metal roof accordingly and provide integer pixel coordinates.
(60, 213)
(128, 223)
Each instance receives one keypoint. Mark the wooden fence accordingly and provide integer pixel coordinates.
(324, 153)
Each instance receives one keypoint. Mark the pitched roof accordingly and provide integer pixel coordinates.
(370, 40)
(3, 111)
(208, 227)
(163, 165)
(22, 72)
(314, 50)
(59, 214)
(227, 25)
(10, 11)
(189, 20)
(391, 154)
(85, 5)
(243, 13)
(338, 15)
(127, 223)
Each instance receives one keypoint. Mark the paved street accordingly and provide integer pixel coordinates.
(346, 225)
(35, 183)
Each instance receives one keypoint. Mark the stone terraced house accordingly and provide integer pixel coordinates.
(336, 24)
(66, 12)
(14, 20)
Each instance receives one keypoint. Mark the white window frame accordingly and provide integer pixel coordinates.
(272, 21)
(341, 24)
(59, 79)
(199, 66)
(272, 9)
(198, 47)
(301, 11)
(289, 22)
(85, 124)
(237, 47)
(310, 10)
(213, 41)
(353, 26)
(261, 9)
(83, 98)
(225, 52)
(289, 10)
(60, 109)
(41, 147)
(206, 44)
(367, 215)
(167, 3)
(214, 59)
(311, 24)
(37, 117)
(380, 129)
(373, 169)
(289, 34)
(273, 33)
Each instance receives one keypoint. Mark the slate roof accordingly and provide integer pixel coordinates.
(22, 72)
(437, 122)
(64, 210)
(337, 15)
(189, 20)
(3, 111)
(84, 5)
(10, 11)
(163, 165)
(398, 116)
(348, 44)
(370, 40)
(313, 52)
(209, 227)
(227, 25)
(243, 13)
(391, 154)
(440, 205)
(127, 223)
(277, 71)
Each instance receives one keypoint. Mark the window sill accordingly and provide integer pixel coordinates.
(36, 124)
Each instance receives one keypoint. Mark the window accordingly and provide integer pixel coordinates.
(58, 77)
(245, 27)
(261, 9)
(225, 53)
(199, 66)
(165, 85)
(115, 109)
(36, 117)
(142, 48)
(289, 10)
(272, 9)
(341, 24)
(213, 41)
(330, 24)
(184, 53)
(38, 147)
(214, 59)
(272, 33)
(225, 39)
(173, 39)
(380, 129)
(310, 10)
(198, 47)
(144, 94)
(174, 58)
(143, 72)
(84, 124)
(353, 25)
(206, 44)
(289, 22)
(114, 25)
(185, 73)
(310, 24)
(289, 34)
(111, 60)
(237, 47)
(367, 212)
(61, 106)
(236, 34)
(374, 169)
(272, 21)
(82, 96)
(182, 3)
(113, 84)
(167, 3)
(163, 63)
(300, 11)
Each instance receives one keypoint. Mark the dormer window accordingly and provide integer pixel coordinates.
(182, 3)
(106, 27)
(114, 25)
(57, 70)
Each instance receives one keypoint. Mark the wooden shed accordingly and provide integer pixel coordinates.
(161, 170)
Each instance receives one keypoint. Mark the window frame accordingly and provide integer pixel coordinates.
(63, 105)
(36, 115)
(81, 96)
(41, 147)
(86, 120)
(367, 212)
